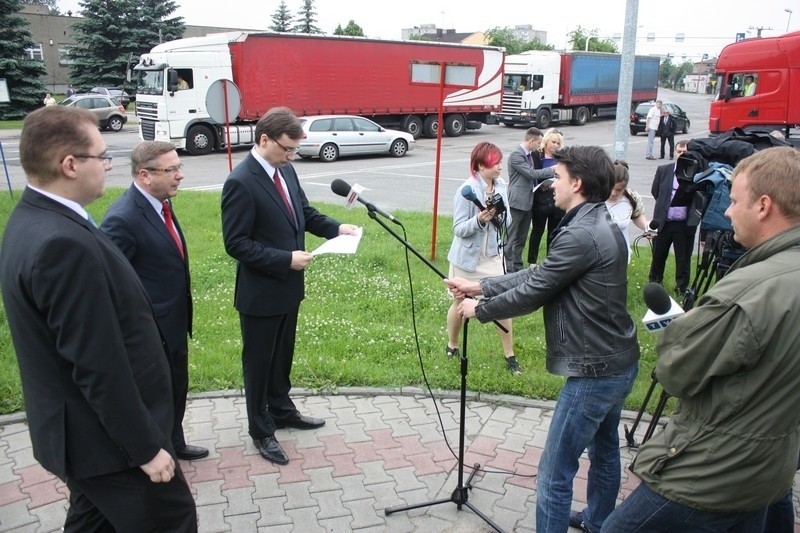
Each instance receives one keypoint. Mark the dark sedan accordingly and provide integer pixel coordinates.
(639, 117)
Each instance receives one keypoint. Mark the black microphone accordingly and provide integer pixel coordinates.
(342, 188)
(470, 195)
(654, 225)
(661, 308)
(656, 298)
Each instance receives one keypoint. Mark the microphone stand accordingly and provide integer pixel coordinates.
(460, 495)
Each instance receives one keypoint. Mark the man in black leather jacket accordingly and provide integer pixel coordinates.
(591, 337)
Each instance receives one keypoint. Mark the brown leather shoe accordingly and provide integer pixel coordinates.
(271, 451)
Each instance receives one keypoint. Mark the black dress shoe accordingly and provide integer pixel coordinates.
(299, 421)
(190, 453)
(271, 450)
(576, 520)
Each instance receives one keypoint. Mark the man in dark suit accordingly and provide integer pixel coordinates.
(94, 376)
(143, 225)
(666, 130)
(265, 215)
(524, 173)
(675, 228)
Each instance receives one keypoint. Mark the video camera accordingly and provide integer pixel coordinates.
(495, 201)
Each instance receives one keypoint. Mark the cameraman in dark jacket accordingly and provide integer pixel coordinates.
(591, 338)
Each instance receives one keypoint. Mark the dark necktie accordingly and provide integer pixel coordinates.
(278, 185)
(529, 157)
(167, 210)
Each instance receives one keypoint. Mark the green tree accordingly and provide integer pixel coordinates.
(281, 18)
(579, 36)
(506, 38)
(306, 17)
(113, 34)
(22, 74)
(352, 29)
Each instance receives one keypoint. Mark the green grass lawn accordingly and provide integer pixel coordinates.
(358, 324)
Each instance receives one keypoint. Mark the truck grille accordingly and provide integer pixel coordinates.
(148, 129)
(147, 110)
(512, 103)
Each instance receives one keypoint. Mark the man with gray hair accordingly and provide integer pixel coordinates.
(144, 227)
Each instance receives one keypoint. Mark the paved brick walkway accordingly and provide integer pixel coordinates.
(379, 449)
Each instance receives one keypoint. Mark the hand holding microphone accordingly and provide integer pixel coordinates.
(652, 230)
(485, 215)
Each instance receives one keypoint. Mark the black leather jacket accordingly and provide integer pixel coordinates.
(582, 286)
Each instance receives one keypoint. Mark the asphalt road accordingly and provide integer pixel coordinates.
(407, 183)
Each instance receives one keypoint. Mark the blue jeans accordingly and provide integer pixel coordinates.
(644, 510)
(587, 415)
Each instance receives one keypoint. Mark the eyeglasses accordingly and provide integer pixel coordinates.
(292, 150)
(106, 158)
(168, 170)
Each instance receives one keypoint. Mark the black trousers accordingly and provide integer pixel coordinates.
(671, 140)
(543, 215)
(680, 237)
(179, 372)
(128, 501)
(267, 354)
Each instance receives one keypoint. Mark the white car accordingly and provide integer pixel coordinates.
(331, 136)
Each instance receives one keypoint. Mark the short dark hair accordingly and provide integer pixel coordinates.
(276, 122)
(146, 152)
(533, 132)
(593, 166)
(50, 134)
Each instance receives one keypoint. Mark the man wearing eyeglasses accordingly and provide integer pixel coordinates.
(94, 376)
(142, 223)
(265, 215)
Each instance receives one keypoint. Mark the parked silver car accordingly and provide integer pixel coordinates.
(331, 136)
(109, 112)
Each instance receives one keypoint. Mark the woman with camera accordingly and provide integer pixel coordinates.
(478, 235)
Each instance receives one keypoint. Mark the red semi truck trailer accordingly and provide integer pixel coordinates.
(313, 75)
(774, 100)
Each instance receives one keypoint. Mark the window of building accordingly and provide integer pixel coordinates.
(35, 52)
(63, 55)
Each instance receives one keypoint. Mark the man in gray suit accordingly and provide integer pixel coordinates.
(524, 173)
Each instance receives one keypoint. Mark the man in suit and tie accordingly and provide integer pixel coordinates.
(676, 228)
(94, 376)
(143, 225)
(524, 173)
(666, 130)
(265, 215)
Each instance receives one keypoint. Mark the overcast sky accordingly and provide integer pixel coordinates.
(707, 24)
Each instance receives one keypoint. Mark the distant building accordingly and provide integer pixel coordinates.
(53, 39)
(430, 32)
(702, 78)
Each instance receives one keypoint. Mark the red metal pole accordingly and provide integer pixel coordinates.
(438, 161)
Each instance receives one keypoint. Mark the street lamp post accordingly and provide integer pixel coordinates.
(586, 49)
(789, 19)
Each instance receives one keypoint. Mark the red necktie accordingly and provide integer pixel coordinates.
(167, 209)
(278, 185)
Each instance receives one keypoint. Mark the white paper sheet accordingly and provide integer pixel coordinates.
(343, 244)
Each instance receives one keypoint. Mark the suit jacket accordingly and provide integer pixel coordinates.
(662, 192)
(667, 129)
(141, 234)
(522, 178)
(261, 235)
(94, 376)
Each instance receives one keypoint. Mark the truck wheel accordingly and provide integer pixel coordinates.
(199, 140)
(329, 153)
(413, 124)
(543, 119)
(454, 125)
(581, 116)
(430, 127)
(398, 148)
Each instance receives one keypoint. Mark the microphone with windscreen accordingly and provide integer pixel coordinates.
(469, 194)
(342, 188)
(661, 308)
